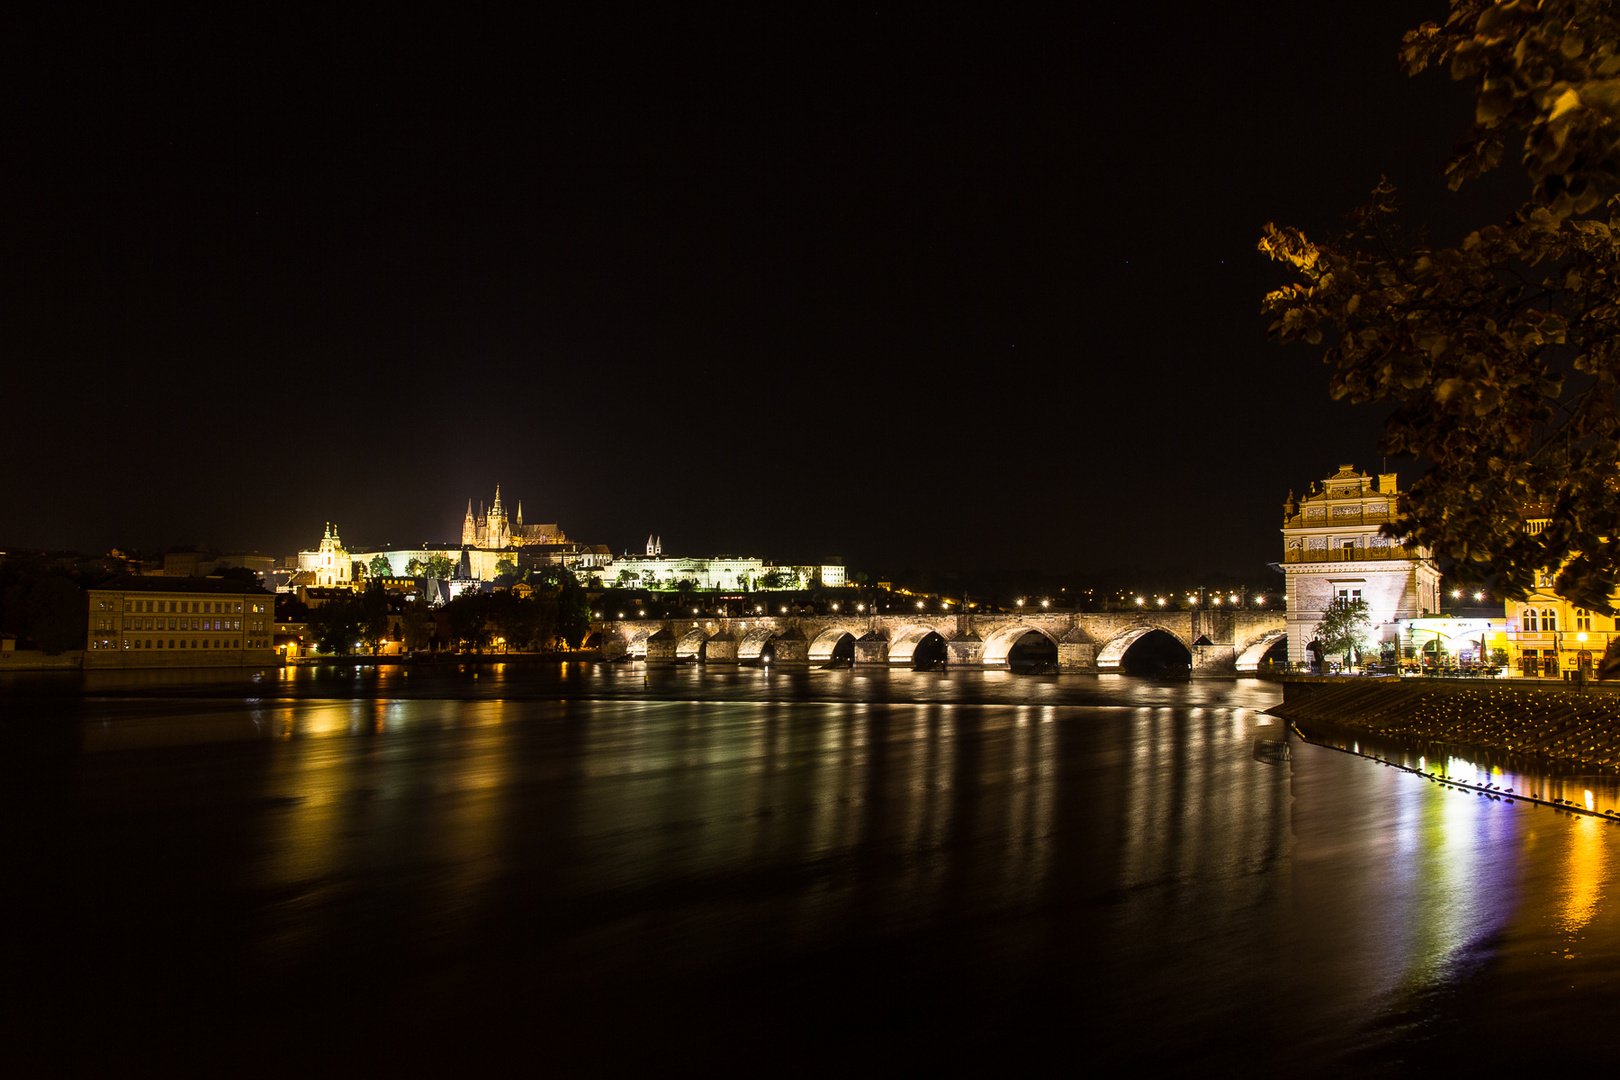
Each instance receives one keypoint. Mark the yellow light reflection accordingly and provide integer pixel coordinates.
(1586, 874)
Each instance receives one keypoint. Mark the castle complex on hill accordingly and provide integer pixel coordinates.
(494, 530)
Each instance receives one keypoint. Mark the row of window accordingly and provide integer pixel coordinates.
(181, 624)
(1546, 622)
(215, 607)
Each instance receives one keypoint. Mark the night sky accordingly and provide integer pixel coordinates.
(948, 288)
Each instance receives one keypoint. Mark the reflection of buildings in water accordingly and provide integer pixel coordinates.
(1585, 874)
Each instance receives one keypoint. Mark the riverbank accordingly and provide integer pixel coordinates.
(1546, 723)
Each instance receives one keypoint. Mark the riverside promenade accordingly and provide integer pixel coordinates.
(1554, 722)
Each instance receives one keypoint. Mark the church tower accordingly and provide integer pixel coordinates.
(469, 527)
(496, 532)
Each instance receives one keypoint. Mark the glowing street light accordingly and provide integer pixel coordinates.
(1140, 601)
(1020, 601)
(1046, 603)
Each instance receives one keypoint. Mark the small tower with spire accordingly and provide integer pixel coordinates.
(469, 527)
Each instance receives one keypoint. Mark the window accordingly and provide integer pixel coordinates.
(1583, 619)
(1529, 620)
(1549, 620)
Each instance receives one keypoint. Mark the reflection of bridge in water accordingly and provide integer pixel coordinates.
(1217, 642)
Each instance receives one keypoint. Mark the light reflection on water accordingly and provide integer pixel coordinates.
(943, 866)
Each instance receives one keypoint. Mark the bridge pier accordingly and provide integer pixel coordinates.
(790, 648)
(1214, 662)
(871, 649)
(720, 649)
(661, 648)
(965, 651)
(1079, 656)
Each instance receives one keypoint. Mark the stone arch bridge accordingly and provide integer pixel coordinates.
(1218, 643)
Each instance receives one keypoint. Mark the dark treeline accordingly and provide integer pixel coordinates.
(550, 611)
(42, 600)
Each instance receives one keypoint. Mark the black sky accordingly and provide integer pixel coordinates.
(939, 288)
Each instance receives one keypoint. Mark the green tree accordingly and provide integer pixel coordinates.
(573, 610)
(58, 618)
(374, 620)
(239, 574)
(379, 567)
(416, 568)
(1501, 355)
(416, 622)
(779, 578)
(1346, 628)
(338, 624)
(469, 616)
(440, 567)
(506, 568)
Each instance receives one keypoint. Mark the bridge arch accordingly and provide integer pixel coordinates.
(1001, 642)
(1113, 653)
(635, 638)
(823, 644)
(903, 643)
(751, 644)
(691, 644)
(1249, 659)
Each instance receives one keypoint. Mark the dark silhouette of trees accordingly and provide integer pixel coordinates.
(1501, 355)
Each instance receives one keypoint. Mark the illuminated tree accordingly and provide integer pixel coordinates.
(1345, 628)
(379, 567)
(1501, 355)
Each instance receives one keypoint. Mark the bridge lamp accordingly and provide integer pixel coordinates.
(596, 614)
(1140, 601)
(1216, 601)
(919, 605)
(642, 614)
(1456, 594)
(621, 614)
(1260, 600)
(1234, 598)
(835, 607)
(1020, 602)
(860, 607)
(1046, 603)
(1161, 601)
(1479, 596)
(784, 609)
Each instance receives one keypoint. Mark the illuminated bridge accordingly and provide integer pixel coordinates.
(1216, 642)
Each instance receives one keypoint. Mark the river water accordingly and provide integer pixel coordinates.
(592, 869)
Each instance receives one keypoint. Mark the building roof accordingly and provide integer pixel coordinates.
(129, 583)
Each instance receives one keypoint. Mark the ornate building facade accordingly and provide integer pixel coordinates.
(1334, 546)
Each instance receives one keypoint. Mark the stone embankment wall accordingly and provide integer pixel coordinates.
(1556, 721)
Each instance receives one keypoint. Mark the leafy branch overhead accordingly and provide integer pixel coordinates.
(1501, 355)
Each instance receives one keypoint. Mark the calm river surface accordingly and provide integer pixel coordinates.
(595, 868)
